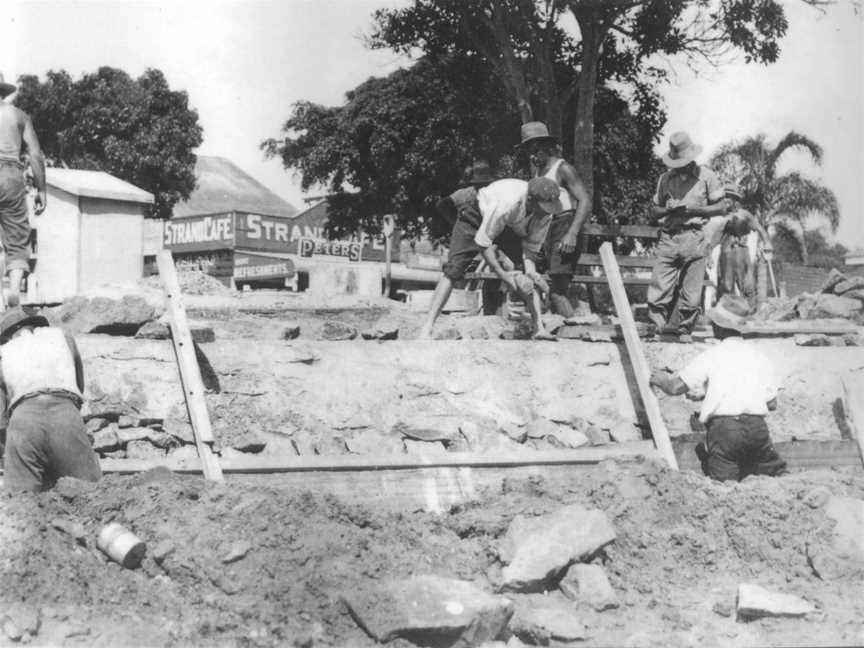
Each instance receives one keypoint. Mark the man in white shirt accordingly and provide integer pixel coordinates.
(505, 206)
(740, 388)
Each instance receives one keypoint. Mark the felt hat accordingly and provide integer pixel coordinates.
(5, 88)
(16, 318)
(733, 191)
(547, 194)
(480, 173)
(535, 132)
(682, 151)
(730, 312)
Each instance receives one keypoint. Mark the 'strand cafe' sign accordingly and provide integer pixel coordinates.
(304, 235)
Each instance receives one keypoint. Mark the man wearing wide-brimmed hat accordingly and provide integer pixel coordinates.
(559, 250)
(740, 388)
(687, 196)
(17, 140)
(475, 177)
(521, 208)
(42, 385)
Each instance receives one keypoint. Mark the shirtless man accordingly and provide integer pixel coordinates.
(560, 246)
(17, 139)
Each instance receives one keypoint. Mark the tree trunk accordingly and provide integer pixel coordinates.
(593, 33)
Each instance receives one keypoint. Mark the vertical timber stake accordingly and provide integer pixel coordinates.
(190, 374)
(637, 356)
(853, 385)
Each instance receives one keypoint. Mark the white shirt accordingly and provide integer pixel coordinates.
(736, 377)
(502, 204)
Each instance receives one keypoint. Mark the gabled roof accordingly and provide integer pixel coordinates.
(95, 184)
(222, 186)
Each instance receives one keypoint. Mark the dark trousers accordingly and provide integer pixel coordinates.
(14, 222)
(739, 446)
(46, 440)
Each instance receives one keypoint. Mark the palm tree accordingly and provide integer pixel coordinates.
(784, 201)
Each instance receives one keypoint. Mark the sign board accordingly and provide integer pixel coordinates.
(199, 233)
(254, 267)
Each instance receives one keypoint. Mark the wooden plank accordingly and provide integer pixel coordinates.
(190, 373)
(795, 327)
(628, 281)
(799, 455)
(623, 261)
(635, 231)
(354, 463)
(641, 370)
(853, 405)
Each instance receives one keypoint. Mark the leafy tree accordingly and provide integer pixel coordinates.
(549, 72)
(402, 141)
(785, 201)
(136, 129)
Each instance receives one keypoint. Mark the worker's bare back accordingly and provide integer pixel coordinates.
(13, 122)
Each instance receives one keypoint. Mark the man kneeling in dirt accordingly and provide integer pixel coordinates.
(508, 206)
(42, 386)
(740, 389)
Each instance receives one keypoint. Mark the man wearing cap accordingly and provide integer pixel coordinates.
(17, 140)
(525, 209)
(687, 196)
(740, 388)
(559, 249)
(735, 262)
(42, 385)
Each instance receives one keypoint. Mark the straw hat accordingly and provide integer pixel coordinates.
(682, 151)
(730, 312)
(535, 132)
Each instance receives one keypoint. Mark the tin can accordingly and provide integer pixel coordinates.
(121, 545)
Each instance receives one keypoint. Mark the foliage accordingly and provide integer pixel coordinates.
(787, 200)
(401, 142)
(820, 252)
(136, 129)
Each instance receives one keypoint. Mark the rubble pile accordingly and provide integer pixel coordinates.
(623, 553)
(840, 297)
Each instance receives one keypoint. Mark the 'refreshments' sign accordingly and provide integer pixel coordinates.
(305, 235)
(252, 267)
(198, 233)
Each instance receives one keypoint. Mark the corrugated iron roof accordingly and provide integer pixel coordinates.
(222, 186)
(96, 184)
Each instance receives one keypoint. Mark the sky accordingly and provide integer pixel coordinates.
(244, 63)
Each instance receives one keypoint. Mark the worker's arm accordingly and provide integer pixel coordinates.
(79, 365)
(491, 258)
(571, 181)
(37, 164)
(669, 383)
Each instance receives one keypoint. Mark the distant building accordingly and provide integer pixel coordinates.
(91, 233)
(854, 257)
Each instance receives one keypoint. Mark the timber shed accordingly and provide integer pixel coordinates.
(90, 233)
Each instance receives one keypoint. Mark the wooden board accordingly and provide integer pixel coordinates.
(623, 261)
(794, 327)
(641, 371)
(190, 373)
(853, 405)
(635, 231)
(799, 455)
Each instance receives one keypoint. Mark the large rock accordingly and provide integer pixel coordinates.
(826, 305)
(589, 584)
(843, 555)
(777, 309)
(541, 620)
(103, 315)
(335, 331)
(429, 609)
(538, 549)
(834, 277)
(755, 601)
(846, 285)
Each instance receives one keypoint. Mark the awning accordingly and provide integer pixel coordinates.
(258, 267)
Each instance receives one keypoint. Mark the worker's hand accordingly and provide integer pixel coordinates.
(509, 280)
(567, 245)
(768, 253)
(39, 202)
(539, 283)
(658, 378)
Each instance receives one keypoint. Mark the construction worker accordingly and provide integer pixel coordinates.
(735, 265)
(739, 389)
(41, 391)
(559, 249)
(18, 141)
(522, 208)
(687, 196)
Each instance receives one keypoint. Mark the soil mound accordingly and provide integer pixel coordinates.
(246, 564)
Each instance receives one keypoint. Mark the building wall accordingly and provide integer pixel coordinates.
(112, 242)
(55, 275)
(154, 235)
(334, 278)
